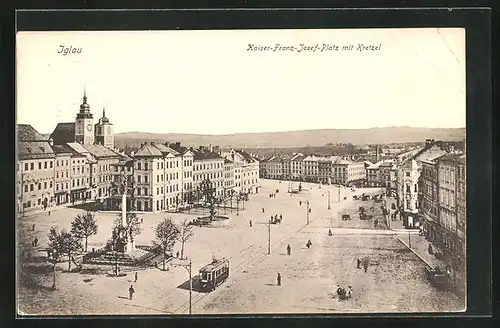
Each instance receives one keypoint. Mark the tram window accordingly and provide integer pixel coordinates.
(209, 276)
(204, 276)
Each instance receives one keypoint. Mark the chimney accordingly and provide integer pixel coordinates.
(132, 153)
(51, 142)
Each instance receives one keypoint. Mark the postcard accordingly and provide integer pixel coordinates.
(241, 172)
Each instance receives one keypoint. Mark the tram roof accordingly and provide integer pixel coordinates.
(215, 265)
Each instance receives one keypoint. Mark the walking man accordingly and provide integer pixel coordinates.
(135, 276)
(288, 250)
(250, 223)
(131, 292)
(330, 232)
(358, 263)
(309, 244)
(35, 242)
(279, 279)
(263, 210)
(33, 227)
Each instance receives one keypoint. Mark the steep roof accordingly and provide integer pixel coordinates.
(410, 164)
(148, 150)
(100, 151)
(63, 133)
(62, 150)
(246, 156)
(35, 150)
(299, 157)
(200, 155)
(25, 132)
(166, 149)
(226, 161)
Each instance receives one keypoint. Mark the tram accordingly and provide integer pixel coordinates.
(214, 274)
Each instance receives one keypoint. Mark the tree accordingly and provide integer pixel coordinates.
(185, 232)
(84, 226)
(61, 243)
(167, 234)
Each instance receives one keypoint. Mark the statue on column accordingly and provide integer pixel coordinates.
(126, 233)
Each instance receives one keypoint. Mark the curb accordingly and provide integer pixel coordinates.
(420, 257)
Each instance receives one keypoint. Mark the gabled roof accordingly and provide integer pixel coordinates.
(25, 132)
(451, 157)
(100, 151)
(80, 151)
(410, 164)
(63, 133)
(274, 159)
(63, 150)
(200, 155)
(35, 150)
(226, 161)
(299, 157)
(246, 156)
(148, 150)
(166, 149)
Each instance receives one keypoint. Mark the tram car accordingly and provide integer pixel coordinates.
(214, 274)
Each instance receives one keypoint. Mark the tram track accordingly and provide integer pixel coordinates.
(240, 269)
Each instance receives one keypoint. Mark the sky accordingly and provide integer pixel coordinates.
(208, 82)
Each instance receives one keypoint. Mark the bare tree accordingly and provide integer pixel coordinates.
(61, 243)
(167, 234)
(84, 226)
(186, 231)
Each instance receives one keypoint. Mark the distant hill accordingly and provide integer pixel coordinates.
(296, 138)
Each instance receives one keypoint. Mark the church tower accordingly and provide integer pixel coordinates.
(104, 132)
(84, 125)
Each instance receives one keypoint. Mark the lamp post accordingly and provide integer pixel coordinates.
(307, 208)
(339, 193)
(188, 268)
(409, 239)
(328, 199)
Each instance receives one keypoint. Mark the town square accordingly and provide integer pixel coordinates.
(147, 187)
(394, 281)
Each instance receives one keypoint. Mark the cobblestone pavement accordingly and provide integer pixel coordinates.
(394, 282)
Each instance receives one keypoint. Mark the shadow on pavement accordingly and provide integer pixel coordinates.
(196, 285)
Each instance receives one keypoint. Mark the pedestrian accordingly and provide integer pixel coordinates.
(142, 220)
(365, 266)
(339, 291)
(156, 264)
(250, 223)
(288, 250)
(49, 212)
(279, 279)
(276, 217)
(430, 250)
(309, 244)
(281, 217)
(131, 292)
(358, 263)
(349, 292)
(272, 218)
(263, 210)
(135, 280)
(177, 254)
(330, 232)
(35, 242)
(300, 203)
(33, 227)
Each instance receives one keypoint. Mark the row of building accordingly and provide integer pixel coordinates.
(331, 169)
(79, 163)
(429, 184)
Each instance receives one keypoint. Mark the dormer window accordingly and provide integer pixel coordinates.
(43, 149)
(28, 149)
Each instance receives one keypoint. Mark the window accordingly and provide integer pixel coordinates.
(146, 166)
(157, 178)
(138, 166)
(32, 166)
(51, 164)
(407, 174)
(26, 166)
(408, 188)
(139, 179)
(40, 186)
(32, 187)
(50, 184)
(44, 165)
(26, 188)
(415, 188)
(39, 165)
(145, 179)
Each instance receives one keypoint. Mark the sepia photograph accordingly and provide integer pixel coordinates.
(229, 172)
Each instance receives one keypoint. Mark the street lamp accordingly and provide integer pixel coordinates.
(409, 239)
(188, 268)
(328, 199)
(307, 208)
(269, 237)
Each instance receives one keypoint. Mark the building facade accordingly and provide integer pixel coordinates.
(62, 190)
